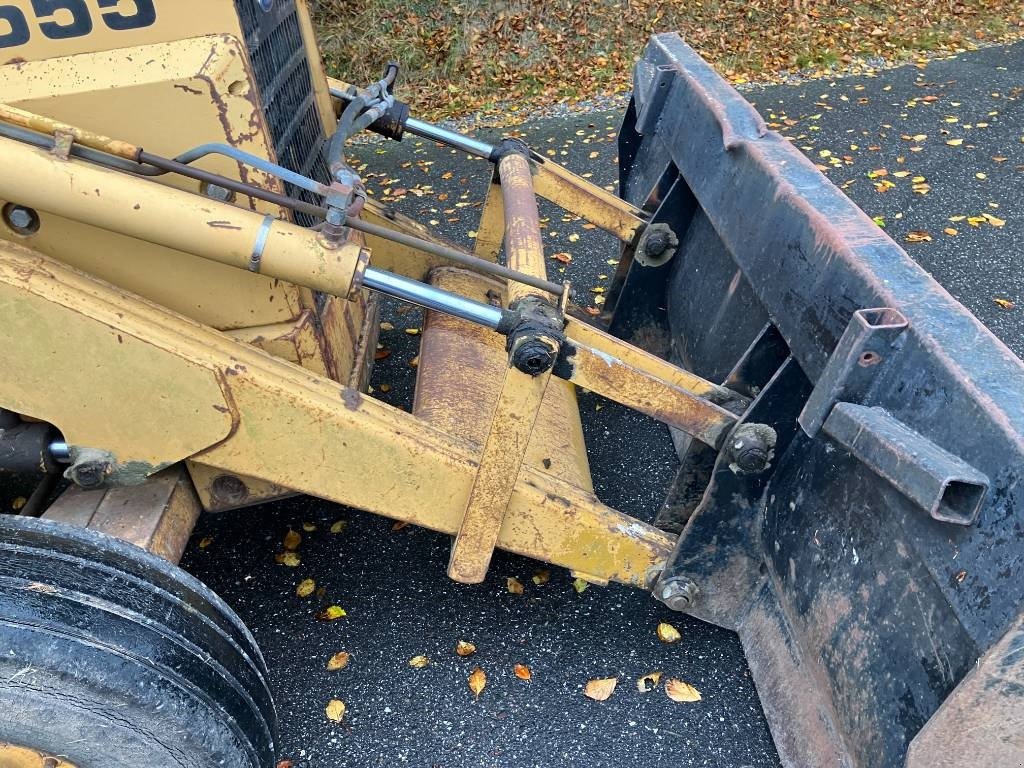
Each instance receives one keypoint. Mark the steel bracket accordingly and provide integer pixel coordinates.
(869, 340)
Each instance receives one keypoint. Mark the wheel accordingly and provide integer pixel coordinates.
(111, 657)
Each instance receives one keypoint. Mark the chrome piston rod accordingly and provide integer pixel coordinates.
(429, 297)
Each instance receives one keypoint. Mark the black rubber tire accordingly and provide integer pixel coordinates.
(113, 658)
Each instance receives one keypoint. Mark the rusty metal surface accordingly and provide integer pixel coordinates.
(157, 516)
(884, 609)
(520, 396)
(268, 417)
(461, 405)
(579, 196)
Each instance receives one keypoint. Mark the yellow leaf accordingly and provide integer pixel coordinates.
(957, 218)
(335, 710)
(418, 662)
(1003, 303)
(290, 559)
(901, 174)
(580, 585)
(541, 576)
(952, 232)
(981, 176)
(648, 682)
(339, 526)
(205, 542)
(292, 539)
(412, 331)
(600, 689)
(306, 588)
(668, 634)
(573, 237)
(918, 236)
(677, 690)
(338, 661)
(465, 649)
(918, 180)
(477, 681)
(308, 527)
(993, 220)
(522, 672)
(592, 155)
(955, 142)
(472, 234)
(515, 586)
(18, 503)
(331, 613)
(878, 174)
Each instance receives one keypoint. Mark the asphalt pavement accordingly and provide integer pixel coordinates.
(391, 583)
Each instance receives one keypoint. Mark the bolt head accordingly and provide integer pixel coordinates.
(89, 474)
(678, 592)
(22, 220)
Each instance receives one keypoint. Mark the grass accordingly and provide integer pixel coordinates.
(465, 56)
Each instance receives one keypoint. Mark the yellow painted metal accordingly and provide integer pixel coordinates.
(296, 341)
(272, 417)
(166, 97)
(577, 195)
(519, 400)
(121, 203)
(636, 358)
(14, 756)
(48, 125)
(641, 391)
(175, 20)
(107, 386)
(221, 491)
(396, 257)
(512, 425)
(491, 232)
(462, 405)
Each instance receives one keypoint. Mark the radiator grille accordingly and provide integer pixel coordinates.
(274, 40)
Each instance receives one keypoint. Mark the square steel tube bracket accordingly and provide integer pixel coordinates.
(868, 340)
(943, 485)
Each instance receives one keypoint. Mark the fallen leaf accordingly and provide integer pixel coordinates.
(668, 634)
(878, 173)
(292, 540)
(399, 526)
(573, 237)
(18, 503)
(580, 585)
(284, 764)
(600, 689)
(338, 526)
(412, 331)
(955, 142)
(331, 613)
(994, 221)
(338, 661)
(565, 258)
(918, 236)
(981, 176)
(952, 232)
(522, 672)
(465, 649)
(541, 576)
(901, 174)
(290, 559)
(335, 710)
(386, 326)
(515, 586)
(477, 681)
(309, 527)
(306, 588)
(382, 354)
(205, 542)
(648, 682)
(418, 662)
(1003, 303)
(677, 690)
(592, 155)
